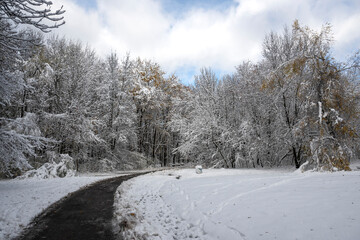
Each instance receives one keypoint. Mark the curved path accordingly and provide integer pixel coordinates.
(84, 215)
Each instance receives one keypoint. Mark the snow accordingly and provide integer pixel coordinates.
(240, 204)
(22, 200)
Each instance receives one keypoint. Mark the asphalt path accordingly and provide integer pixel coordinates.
(83, 215)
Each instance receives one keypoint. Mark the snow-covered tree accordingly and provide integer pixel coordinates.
(153, 94)
(118, 104)
(16, 47)
(14, 43)
(298, 105)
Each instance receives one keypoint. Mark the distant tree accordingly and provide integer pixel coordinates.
(118, 104)
(153, 94)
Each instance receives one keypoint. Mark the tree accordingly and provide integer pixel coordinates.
(312, 91)
(120, 108)
(297, 106)
(14, 43)
(204, 132)
(153, 94)
(16, 46)
(36, 13)
(281, 53)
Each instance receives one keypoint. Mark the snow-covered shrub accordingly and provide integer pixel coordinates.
(119, 160)
(102, 165)
(60, 166)
(133, 160)
(106, 165)
(13, 150)
(327, 155)
(19, 138)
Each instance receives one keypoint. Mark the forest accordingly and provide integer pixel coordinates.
(60, 103)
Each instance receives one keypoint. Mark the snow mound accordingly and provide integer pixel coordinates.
(64, 167)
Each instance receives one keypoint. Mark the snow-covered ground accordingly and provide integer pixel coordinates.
(22, 200)
(240, 204)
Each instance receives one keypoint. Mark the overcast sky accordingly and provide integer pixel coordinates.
(185, 35)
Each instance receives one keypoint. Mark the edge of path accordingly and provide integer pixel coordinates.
(37, 224)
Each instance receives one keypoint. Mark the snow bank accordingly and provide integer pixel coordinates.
(22, 200)
(63, 167)
(141, 212)
(240, 204)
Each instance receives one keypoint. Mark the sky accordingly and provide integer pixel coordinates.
(186, 35)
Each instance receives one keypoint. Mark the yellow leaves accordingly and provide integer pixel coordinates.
(295, 67)
(272, 82)
(264, 85)
(268, 84)
(345, 131)
(285, 74)
(150, 73)
(296, 25)
(135, 90)
(340, 163)
(333, 158)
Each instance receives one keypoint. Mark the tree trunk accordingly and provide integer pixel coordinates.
(154, 145)
(296, 156)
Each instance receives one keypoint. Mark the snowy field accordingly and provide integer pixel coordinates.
(22, 200)
(240, 204)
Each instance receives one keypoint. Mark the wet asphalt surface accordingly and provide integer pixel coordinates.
(83, 215)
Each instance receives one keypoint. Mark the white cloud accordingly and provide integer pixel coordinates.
(79, 24)
(203, 37)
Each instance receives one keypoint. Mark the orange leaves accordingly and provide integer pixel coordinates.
(135, 90)
(295, 67)
(345, 131)
(268, 84)
(150, 72)
(341, 164)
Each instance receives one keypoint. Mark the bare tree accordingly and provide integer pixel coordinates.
(37, 13)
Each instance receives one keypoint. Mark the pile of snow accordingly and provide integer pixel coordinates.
(63, 166)
(240, 204)
(355, 166)
(198, 169)
(22, 200)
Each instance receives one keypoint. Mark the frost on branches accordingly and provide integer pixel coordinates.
(298, 106)
(59, 165)
(19, 140)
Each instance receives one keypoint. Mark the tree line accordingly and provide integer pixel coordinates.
(296, 106)
(96, 111)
